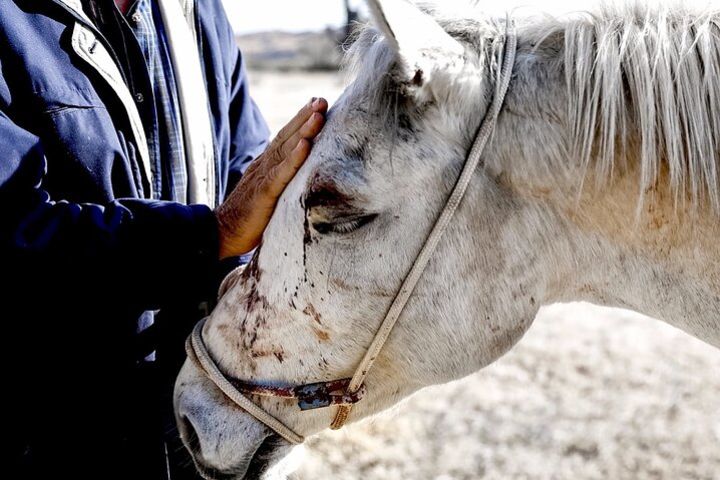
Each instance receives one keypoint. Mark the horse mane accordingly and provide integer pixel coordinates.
(647, 77)
(640, 78)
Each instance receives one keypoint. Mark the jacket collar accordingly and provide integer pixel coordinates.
(86, 43)
(75, 7)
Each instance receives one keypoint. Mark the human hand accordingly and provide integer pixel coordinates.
(242, 218)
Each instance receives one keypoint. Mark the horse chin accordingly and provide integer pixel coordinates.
(271, 461)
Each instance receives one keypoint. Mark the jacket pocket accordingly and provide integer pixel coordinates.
(59, 109)
(89, 158)
(57, 100)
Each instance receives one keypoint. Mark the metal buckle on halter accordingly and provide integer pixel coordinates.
(326, 394)
(310, 396)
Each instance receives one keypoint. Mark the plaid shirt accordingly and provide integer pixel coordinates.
(165, 132)
(165, 135)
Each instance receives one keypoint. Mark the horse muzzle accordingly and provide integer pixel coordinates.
(225, 444)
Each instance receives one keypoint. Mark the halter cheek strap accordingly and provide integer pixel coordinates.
(345, 393)
(438, 230)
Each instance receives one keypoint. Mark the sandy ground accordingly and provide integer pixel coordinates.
(589, 393)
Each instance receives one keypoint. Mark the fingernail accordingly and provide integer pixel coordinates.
(316, 102)
(313, 101)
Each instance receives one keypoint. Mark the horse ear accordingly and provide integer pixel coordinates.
(421, 43)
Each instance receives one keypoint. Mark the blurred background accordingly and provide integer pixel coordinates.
(293, 50)
(589, 393)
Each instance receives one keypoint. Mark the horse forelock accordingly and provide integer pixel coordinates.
(371, 65)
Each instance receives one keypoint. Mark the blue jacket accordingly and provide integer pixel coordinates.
(84, 252)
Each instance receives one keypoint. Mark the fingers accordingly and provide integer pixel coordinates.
(312, 127)
(309, 130)
(285, 171)
(316, 105)
(246, 213)
(319, 105)
(296, 159)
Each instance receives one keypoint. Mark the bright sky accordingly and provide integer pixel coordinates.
(298, 15)
(292, 15)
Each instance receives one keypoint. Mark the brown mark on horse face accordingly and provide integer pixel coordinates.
(255, 299)
(343, 285)
(311, 312)
(322, 335)
(252, 271)
(243, 331)
(306, 241)
(255, 303)
(227, 332)
(278, 354)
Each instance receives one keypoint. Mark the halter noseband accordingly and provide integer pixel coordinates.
(345, 393)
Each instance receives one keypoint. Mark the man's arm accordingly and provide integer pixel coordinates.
(143, 251)
(164, 248)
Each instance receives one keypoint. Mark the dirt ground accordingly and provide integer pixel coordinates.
(589, 393)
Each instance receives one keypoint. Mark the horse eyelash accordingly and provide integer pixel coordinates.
(346, 227)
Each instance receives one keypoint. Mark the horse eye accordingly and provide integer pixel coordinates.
(344, 225)
(332, 210)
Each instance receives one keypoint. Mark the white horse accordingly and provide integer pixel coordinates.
(600, 183)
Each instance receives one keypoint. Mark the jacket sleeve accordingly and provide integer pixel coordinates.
(139, 252)
(249, 132)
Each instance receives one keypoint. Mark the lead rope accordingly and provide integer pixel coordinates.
(411, 281)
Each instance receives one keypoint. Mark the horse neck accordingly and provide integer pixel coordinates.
(661, 262)
(613, 245)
